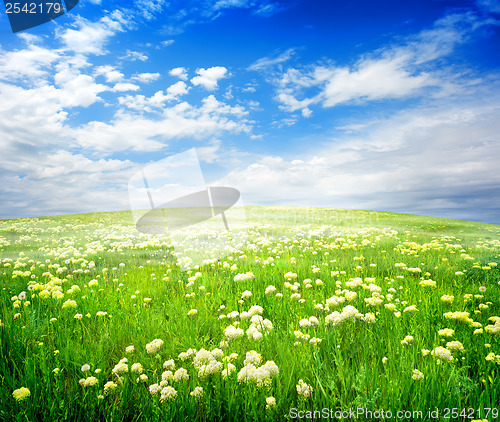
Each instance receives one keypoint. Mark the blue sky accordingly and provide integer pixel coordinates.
(384, 105)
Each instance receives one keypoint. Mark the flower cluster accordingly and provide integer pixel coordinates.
(154, 347)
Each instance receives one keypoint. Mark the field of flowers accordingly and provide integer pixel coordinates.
(317, 309)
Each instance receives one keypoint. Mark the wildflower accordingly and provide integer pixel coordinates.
(428, 283)
(407, 341)
(169, 365)
(304, 390)
(246, 294)
(411, 308)
(244, 277)
(448, 299)
(21, 394)
(90, 382)
(369, 318)
(384, 360)
(417, 375)
(109, 387)
(181, 375)
(270, 402)
(197, 393)
(304, 323)
(168, 394)
(69, 304)
(252, 358)
(85, 367)
(192, 312)
(129, 349)
(137, 368)
(459, 317)
(154, 346)
(446, 332)
(455, 346)
(154, 389)
(233, 333)
(120, 368)
(482, 289)
(425, 352)
(442, 354)
(142, 378)
(270, 290)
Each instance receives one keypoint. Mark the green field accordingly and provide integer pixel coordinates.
(319, 309)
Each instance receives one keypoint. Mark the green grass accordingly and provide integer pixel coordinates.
(346, 370)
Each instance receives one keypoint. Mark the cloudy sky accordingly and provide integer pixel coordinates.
(386, 105)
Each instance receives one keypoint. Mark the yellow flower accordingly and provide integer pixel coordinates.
(21, 394)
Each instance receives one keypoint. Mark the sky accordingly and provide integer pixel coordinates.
(387, 105)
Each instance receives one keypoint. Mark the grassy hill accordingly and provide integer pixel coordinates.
(311, 309)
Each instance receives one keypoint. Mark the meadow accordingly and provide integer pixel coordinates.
(317, 309)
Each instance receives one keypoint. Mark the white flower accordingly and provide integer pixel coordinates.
(137, 368)
(197, 392)
(270, 402)
(417, 375)
(85, 367)
(442, 353)
(169, 364)
(252, 358)
(168, 394)
(109, 387)
(154, 346)
(304, 390)
(21, 394)
(154, 389)
(181, 375)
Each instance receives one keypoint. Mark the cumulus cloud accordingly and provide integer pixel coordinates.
(147, 77)
(33, 62)
(91, 37)
(109, 72)
(143, 133)
(208, 78)
(393, 72)
(133, 56)
(180, 72)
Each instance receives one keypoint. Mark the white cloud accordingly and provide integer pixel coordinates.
(109, 73)
(176, 90)
(91, 37)
(125, 86)
(147, 77)
(267, 62)
(133, 56)
(393, 72)
(180, 72)
(140, 133)
(33, 62)
(149, 8)
(208, 78)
